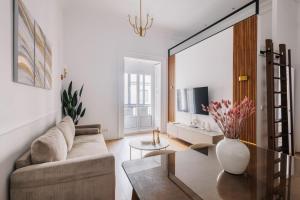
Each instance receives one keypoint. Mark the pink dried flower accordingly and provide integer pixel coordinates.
(230, 118)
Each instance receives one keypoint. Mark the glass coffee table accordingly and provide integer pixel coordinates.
(147, 145)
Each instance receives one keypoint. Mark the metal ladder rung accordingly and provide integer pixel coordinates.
(269, 51)
(276, 175)
(279, 106)
(280, 65)
(278, 160)
(279, 78)
(279, 135)
(279, 92)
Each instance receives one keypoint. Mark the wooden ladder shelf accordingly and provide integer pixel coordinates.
(279, 92)
(280, 118)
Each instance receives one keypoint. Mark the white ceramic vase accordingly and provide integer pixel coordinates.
(233, 155)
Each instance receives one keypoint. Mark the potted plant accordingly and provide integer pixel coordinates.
(232, 154)
(71, 103)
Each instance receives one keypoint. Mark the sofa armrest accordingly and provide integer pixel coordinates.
(87, 131)
(89, 126)
(61, 172)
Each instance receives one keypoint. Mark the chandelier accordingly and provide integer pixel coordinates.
(137, 23)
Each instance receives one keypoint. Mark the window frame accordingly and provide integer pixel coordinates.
(129, 91)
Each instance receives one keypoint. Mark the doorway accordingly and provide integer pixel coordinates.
(142, 95)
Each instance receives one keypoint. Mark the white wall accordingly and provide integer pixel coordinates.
(95, 43)
(25, 112)
(277, 21)
(285, 32)
(297, 81)
(284, 24)
(133, 65)
(264, 32)
(208, 63)
(298, 33)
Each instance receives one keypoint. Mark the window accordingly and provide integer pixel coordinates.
(141, 93)
(126, 88)
(133, 88)
(137, 89)
(148, 91)
(138, 108)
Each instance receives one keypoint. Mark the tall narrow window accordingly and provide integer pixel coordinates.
(138, 108)
(133, 88)
(141, 88)
(126, 88)
(148, 91)
(142, 95)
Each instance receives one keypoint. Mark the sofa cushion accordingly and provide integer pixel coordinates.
(95, 138)
(88, 145)
(68, 132)
(69, 120)
(24, 160)
(49, 147)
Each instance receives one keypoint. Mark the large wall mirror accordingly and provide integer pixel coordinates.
(206, 64)
(228, 59)
(214, 61)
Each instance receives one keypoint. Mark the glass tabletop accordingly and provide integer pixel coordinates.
(270, 175)
(147, 145)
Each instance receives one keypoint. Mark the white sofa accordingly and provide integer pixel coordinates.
(87, 171)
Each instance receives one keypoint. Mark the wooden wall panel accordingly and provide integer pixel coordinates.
(171, 88)
(245, 63)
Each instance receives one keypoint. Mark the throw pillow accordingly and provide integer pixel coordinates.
(49, 147)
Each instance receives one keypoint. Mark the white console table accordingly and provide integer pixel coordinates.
(193, 135)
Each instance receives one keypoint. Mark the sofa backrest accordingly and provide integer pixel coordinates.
(49, 147)
(66, 127)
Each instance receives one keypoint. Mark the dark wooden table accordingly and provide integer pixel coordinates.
(197, 175)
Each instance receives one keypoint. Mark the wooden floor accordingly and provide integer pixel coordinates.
(120, 149)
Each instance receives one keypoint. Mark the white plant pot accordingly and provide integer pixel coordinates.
(233, 155)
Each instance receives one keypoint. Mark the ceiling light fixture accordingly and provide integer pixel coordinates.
(137, 23)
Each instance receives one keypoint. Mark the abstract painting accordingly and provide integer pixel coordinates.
(39, 57)
(32, 51)
(24, 59)
(48, 65)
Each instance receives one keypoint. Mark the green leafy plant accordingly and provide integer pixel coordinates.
(71, 103)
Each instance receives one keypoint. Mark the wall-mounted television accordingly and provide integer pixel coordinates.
(191, 100)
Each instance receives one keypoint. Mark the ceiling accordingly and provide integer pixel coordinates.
(185, 17)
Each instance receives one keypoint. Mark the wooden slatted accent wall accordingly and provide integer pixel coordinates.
(171, 89)
(245, 63)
